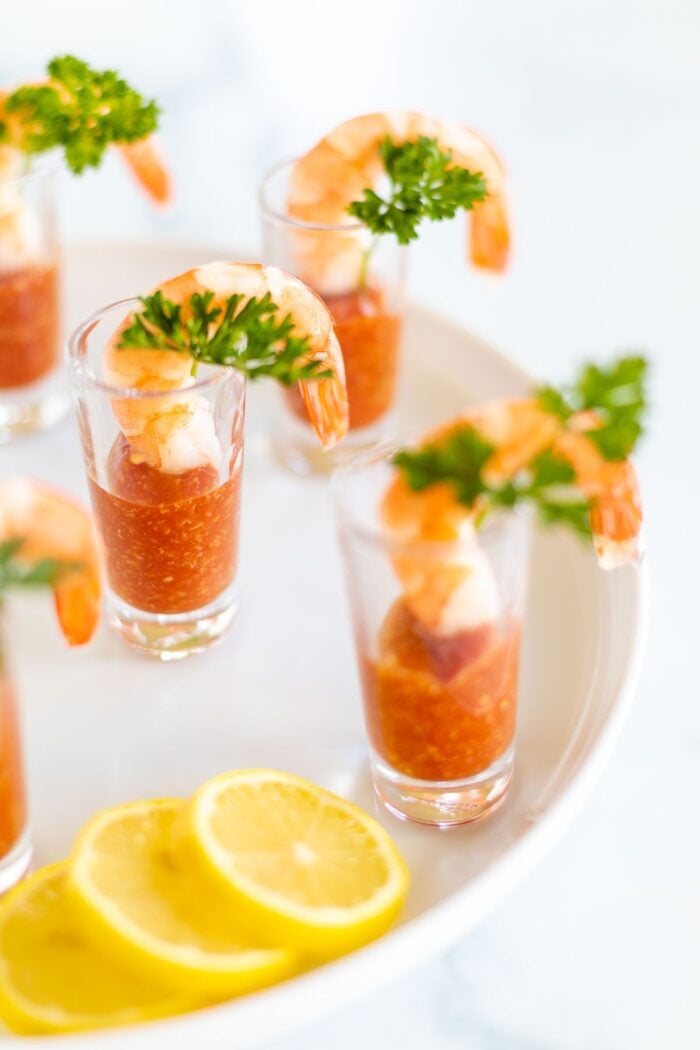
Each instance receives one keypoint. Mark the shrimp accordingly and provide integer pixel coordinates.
(143, 158)
(327, 179)
(21, 234)
(519, 430)
(52, 526)
(175, 434)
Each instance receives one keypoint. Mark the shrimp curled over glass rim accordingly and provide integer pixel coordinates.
(519, 430)
(51, 525)
(159, 429)
(336, 171)
(142, 157)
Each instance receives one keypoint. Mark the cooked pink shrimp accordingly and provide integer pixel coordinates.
(176, 434)
(519, 430)
(143, 157)
(53, 526)
(327, 179)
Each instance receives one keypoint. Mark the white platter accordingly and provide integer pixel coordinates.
(104, 725)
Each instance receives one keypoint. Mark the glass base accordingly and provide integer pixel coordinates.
(15, 864)
(173, 636)
(30, 410)
(443, 803)
(297, 447)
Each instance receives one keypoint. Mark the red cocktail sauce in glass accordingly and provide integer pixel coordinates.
(441, 708)
(170, 540)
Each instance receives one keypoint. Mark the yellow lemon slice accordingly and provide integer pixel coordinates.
(52, 979)
(147, 909)
(303, 866)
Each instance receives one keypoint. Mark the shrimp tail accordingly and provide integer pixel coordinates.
(326, 400)
(326, 404)
(145, 161)
(616, 527)
(489, 235)
(77, 602)
(612, 491)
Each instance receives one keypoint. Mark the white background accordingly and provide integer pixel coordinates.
(596, 108)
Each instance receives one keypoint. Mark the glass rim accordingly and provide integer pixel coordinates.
(77, 342)
(493, 528)
(38, 165)
(274, 215)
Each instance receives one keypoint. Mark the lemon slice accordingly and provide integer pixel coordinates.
(145, 907)
(52, 979)
(302, 865)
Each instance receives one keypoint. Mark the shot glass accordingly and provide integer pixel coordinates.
(169, 530)
(33, 392)
(437, 631)
(361, 279)
(15, 840)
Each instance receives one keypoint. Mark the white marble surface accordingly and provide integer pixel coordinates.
(597, 110)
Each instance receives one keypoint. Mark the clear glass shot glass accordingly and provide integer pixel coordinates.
(362, 281)
(437, 631)
(169, 523)
(15, 839)
(33, 392)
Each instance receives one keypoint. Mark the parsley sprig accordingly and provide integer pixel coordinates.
(424, 184)
(616, 394)
(244, 334)
(81, 110)
(460, 461)
(14, 572)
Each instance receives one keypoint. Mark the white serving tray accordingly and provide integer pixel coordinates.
(103, 724)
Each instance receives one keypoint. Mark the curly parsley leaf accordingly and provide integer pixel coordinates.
(81, 110)
(616, 394)
(244, 334)
(552, 487)
(461, 460)
(424, 184)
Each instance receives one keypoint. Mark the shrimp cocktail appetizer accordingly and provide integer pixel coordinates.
(160, 383)
(435, 540)
(341, 216)
(80, 112)
(45, 540)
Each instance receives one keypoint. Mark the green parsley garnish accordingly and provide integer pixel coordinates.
(424, 185)
(460, 461)
(617, 396)
(16, 573)
(246, 335)
(81, 110)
